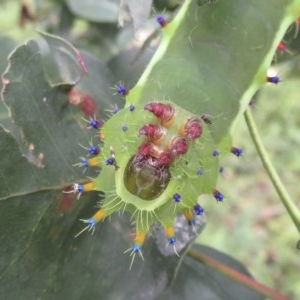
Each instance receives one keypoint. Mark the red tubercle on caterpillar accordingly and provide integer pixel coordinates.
(148, 149)
(152, 131)
(164, 112)
(156, 157)
(144, 150)
(193, 129)
(153, 156)
(164, 160)
(179, 146)
(176, 145)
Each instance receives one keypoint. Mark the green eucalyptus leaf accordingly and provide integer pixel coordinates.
(195, 280)
(213, 58)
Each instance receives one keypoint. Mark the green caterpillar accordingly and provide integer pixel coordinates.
(156, 161)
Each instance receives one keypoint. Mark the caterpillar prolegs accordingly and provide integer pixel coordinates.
(156, 161)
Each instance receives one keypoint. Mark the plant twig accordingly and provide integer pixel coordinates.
(235, 275)
(290, 206)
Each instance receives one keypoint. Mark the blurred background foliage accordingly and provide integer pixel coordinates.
(253, 209)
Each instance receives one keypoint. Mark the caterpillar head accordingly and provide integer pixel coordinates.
(155, 169)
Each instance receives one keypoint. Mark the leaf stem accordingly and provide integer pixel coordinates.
(235, 275)
(278, 185)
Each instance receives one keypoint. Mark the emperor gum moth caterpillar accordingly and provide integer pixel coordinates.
(155, 169)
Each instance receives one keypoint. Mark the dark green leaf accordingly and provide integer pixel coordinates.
(47, 122)
(40, 258)
(62, 62)
(197, 281)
